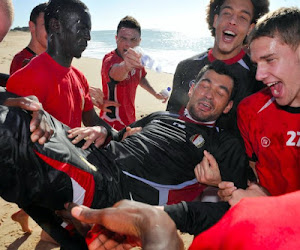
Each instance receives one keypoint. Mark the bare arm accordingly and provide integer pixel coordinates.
(145, 224)
(132, 60)
(146, 85)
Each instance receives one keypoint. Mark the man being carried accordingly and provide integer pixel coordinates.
(154, 166)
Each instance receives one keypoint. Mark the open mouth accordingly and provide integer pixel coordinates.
(276, 88)
(229, 35)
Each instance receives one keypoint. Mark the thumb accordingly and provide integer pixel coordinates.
(211, 159)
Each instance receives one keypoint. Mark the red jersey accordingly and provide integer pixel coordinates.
(256, 223)
(19, 60)
(272, 137)
(122, 92)
(64, 92)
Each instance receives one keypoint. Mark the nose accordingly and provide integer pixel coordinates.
(208, 93)
(87, 34)
(261, 73)
(233, 19)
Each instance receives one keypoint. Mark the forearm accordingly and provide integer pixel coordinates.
(195, 217)
(146, 85)
(4, 95)
(119, 72)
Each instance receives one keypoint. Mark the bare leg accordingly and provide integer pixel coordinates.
(46, 237)
(22, 218)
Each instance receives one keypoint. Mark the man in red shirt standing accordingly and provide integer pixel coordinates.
(269, 120)
(122, 71)
(38, 42)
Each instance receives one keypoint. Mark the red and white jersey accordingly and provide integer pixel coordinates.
(272, 138)
(122, 92)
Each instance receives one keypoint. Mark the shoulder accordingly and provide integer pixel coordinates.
(254, 103)
(196, 58)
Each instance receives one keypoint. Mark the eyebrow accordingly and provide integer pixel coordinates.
(220, 86)
(229, 7)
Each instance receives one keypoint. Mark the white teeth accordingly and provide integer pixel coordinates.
(228, 32)
(271, 84)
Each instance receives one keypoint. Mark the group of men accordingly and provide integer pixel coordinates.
(156, 164)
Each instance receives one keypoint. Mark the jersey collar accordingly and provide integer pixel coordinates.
(185, 116)
(230, 61)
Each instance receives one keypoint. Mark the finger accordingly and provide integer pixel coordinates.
(211, 159)
(197, 172)
(27, 103)
(226, 184)
(100, 141)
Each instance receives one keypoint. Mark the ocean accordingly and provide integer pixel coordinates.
(166, 48)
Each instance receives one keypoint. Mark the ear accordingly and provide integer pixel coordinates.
(191, 90)
(252, 25)
(228, 107)
(31, 26)
(215, 20)
(54, 25)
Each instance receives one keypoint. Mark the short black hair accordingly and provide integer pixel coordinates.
(129, 22)
(59, 9)
(222, 69)
(37, 10)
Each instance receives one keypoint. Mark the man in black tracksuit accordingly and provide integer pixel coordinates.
(153, 166)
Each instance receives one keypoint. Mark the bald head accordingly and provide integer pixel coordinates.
(6, 17)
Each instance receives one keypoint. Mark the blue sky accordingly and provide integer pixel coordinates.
(180, 15)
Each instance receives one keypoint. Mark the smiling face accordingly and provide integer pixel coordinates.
(209, 98)
(75, 30)
(278, 66)
(127, 38)
(231, 27)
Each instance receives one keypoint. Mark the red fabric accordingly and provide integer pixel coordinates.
(125, 92)
(19, 62)
(273, 135)
(256, 223)
(230, 61)
(84, 179)
(188, 193)
(64, 92)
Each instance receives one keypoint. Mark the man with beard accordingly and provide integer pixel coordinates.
(154, 165)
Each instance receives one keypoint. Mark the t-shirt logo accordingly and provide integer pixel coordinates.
(265, 142)
(197, 140)
(133, 72)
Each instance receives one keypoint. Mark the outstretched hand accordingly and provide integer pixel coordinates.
(128, 224)
(99, 101)
(40, 129)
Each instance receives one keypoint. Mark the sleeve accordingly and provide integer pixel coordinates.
(243, 121)
(176, 101)
(88, 104)
(195, 217)
(25, 82)
(16, 64)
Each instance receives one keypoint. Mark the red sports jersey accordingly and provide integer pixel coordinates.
(122, 92)
(272, 137)
(19, 60)
(256, 223)
(64, 92)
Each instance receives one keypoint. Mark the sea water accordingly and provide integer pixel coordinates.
(165, 47)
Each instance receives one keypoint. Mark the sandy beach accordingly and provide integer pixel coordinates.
(11, 235)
